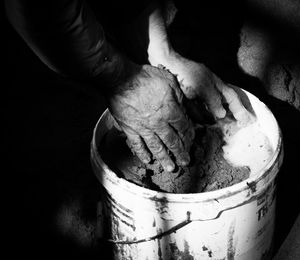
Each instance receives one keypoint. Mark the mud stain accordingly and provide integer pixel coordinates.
(230, 242)
(177, 254)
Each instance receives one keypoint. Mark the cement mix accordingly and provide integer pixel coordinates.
(216, 163)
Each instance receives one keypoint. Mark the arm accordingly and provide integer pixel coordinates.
(67, 37)
(144, 100)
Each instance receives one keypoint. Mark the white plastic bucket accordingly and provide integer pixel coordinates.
(236, 222)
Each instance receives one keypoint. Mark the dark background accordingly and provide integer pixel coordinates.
(48, 122)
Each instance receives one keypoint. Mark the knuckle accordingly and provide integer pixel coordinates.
(230, 93)
(172, 141)
(162, 157)
(144, 157)
(168, 136)
(182, 124)
(155, 146)
(158, 150)
(176, 149)
(175, 145)
(184, 158)
(191, 134)
(135, 144)
(161, 154)
(212, 102)
(165, 161)
(213, 99)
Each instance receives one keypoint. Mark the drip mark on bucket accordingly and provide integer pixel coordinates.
(231, 243)
(159, 249)
(252, 186)
(177, 254)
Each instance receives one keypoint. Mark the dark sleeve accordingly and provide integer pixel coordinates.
(63, 33)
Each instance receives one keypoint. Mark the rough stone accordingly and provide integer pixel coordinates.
(279, 74)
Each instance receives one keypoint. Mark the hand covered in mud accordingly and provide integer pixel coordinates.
(148, 108)
(198, 82)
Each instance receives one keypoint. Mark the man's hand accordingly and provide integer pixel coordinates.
(198, 82)
(148, 108)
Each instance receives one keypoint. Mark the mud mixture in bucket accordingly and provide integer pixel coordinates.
(207, 171)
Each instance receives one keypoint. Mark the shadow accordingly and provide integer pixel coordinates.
(49, 122)
(124, 26)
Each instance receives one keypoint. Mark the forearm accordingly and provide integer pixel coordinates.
(159, 46)
(160, 50)
(67, 38)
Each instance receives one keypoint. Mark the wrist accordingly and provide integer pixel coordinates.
(114, 69)
(159, 52)
(159, 47)
(169, 58)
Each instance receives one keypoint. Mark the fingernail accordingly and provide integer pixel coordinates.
(185, 163)
(170, 168)
(221, 113)
(146, 159)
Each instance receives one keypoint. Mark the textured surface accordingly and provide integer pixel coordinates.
(271, 55)
(208, 170)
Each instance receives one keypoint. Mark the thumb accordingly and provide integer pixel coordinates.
(235, 105)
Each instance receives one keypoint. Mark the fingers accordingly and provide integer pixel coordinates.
(174, 134)
(235, 105)
(157, 148)
(214, 103)
(179, 134)
(141, 146)
(158, 144)
(137, 146)
(172, 141)
(183, 127)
